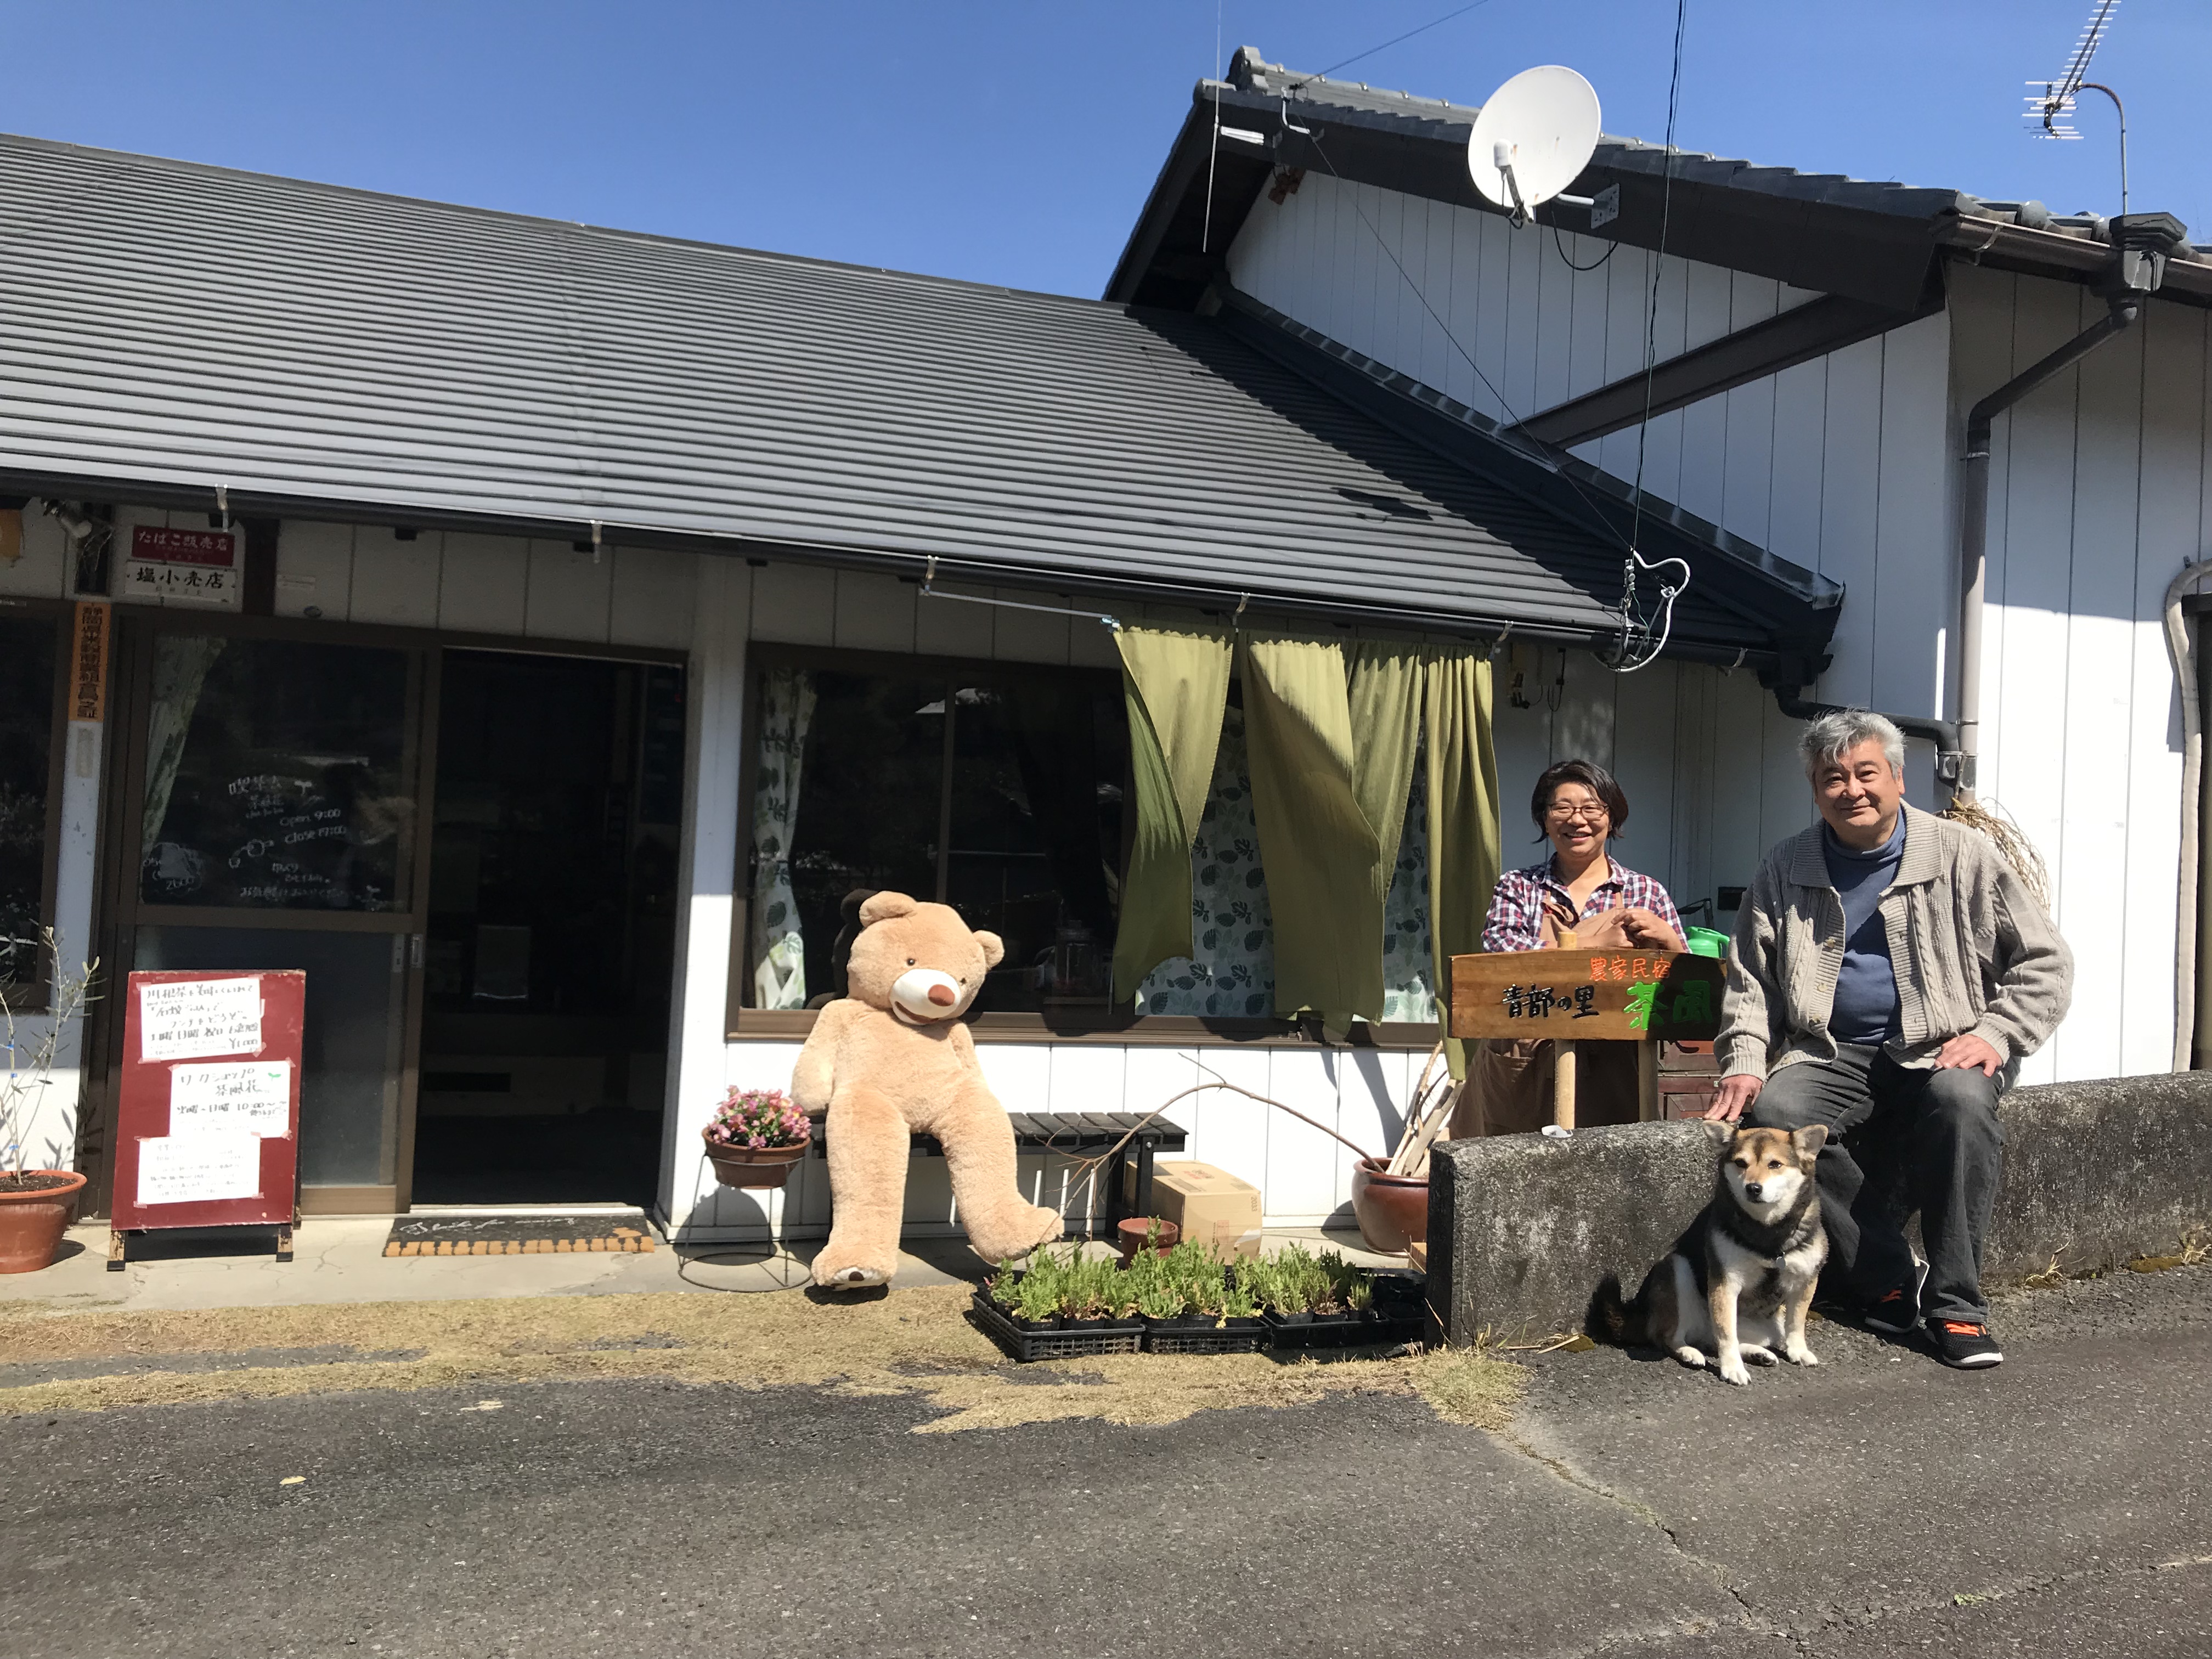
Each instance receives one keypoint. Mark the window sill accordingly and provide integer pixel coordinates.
(1154, 1031)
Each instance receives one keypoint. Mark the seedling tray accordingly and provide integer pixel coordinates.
(1026, 1346)
(1336, 1332)
(1217, 1339)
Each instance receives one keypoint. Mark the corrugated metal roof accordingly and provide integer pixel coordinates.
(163, 324)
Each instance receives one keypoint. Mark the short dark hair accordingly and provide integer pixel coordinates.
(1592, 777)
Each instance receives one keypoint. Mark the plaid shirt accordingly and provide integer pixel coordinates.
(1516, 904)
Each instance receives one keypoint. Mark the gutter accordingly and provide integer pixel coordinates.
(2132, 270)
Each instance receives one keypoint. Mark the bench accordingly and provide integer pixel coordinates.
(1077, 1134)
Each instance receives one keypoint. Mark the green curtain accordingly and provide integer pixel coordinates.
(1463, 848)
(1387, 679)
(1320, 852)
(1176, 685)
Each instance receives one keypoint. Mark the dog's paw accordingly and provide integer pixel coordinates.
(1798, 1354)
(1693, 1358)
(1732, 1371)
(1759, 1354)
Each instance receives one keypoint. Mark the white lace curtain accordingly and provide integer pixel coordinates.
(779, 952)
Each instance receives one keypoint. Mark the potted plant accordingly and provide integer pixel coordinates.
(756, 1137)
(1148, 1232)
(1086, 1296)
(1037, 1297)
(35, 1203)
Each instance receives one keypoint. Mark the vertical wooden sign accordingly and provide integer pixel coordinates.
(89, 663)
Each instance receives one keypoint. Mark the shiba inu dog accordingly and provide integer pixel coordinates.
(1738, 1284)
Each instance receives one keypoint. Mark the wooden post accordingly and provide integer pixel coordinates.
(1562, 1085)
(1647, 1081)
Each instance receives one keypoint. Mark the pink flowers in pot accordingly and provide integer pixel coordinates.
(758, 1117)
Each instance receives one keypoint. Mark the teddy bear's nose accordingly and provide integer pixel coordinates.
(942, 995)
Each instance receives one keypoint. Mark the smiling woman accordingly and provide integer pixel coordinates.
(1579, 896)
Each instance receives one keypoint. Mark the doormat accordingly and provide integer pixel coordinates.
(520, 1235)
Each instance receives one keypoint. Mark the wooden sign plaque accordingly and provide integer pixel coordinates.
(1643, 997)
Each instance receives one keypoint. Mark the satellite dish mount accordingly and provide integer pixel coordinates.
(1532, 139)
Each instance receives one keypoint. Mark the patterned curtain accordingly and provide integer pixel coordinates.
(181, 662)
(779, 953)
(1408, 991)
(1233, 930)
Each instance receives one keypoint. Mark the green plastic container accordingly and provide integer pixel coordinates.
(1707, 942)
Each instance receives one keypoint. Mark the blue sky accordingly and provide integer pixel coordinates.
(1014, 143)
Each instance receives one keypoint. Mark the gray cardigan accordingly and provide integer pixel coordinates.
(1973, 952)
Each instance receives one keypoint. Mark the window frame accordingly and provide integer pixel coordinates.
(1120, 1025)
(32, 997)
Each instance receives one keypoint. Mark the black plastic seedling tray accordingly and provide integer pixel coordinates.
(1026, 1346)
(1345, 1331)
(1162, 1337)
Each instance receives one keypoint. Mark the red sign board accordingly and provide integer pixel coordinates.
(208, 1115)
(152, 544)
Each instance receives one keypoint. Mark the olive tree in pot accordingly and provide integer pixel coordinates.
(35, 1203)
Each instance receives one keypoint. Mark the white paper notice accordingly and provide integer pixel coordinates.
(185, 1019)
(197, 1169)
(253, 1097)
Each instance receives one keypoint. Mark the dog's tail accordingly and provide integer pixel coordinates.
(1611, 1319)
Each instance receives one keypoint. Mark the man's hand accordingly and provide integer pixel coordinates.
(1966, 1053)
(1734, 1098)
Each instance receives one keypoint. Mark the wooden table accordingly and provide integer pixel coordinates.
(1643, 997)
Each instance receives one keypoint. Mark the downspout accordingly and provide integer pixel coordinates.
(2189, 923)
(2142, 243)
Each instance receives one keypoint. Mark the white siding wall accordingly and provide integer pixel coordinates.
(1401, 279)
(2097, 492)
(1843, 465)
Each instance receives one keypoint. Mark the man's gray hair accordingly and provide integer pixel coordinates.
(1831, 737)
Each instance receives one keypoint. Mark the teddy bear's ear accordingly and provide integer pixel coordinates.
(882, 906)
(995, 948)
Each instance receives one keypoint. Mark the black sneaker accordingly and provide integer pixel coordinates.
(1963, 1345)
(1897, 1313)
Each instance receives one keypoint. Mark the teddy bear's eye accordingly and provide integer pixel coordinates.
(909, 961)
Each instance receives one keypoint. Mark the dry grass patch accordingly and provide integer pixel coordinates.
(911, 1342)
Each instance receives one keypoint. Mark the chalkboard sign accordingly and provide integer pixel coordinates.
(208, 1115)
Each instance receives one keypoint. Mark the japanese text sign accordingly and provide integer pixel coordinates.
(1625, 996)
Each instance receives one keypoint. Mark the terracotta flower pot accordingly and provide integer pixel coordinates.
(754, 1166)
(1392, 1210)
(1130, 1236)
(31, 1222)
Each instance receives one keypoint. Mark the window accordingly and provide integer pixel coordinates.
(30, 659)
(996, 789)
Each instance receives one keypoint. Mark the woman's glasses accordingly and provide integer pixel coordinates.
(1562, 813)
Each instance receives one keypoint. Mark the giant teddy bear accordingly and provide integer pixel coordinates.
(890, 1057)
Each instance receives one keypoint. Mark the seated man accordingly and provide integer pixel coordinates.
(1888, 972)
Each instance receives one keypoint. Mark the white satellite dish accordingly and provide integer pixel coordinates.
(1532, 138)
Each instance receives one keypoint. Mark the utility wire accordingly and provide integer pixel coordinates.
(1434, 22)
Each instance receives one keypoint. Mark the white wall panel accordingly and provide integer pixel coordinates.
(395, 581)
(570, 593)
(314, 569)
(796, 603)
(482, 583)
(655, 590)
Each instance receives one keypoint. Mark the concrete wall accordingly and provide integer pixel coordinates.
(1523, 1228)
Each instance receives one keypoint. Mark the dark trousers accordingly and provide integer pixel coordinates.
(1898, 1140)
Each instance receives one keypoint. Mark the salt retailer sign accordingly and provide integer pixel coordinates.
(207, 1116)
(188, 567)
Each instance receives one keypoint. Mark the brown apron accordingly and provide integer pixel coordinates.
(1509, 1086)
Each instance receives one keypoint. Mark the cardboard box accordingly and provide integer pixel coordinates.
(1211, 1206)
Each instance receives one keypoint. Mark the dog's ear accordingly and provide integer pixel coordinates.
(1719, 1133)
(1810, 1138)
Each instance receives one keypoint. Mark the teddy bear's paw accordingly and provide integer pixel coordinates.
(849, 1275)
(1017, 1238)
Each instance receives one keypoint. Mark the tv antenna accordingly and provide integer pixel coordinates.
(2053, 109)
(1532, 138)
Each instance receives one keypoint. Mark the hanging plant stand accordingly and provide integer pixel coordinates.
(753, 1166)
